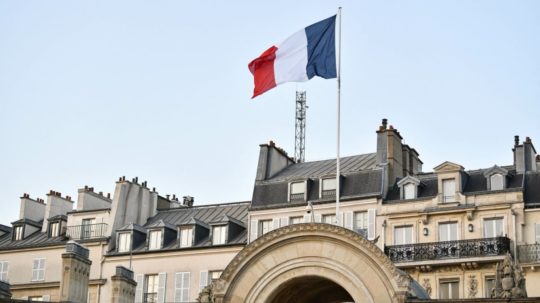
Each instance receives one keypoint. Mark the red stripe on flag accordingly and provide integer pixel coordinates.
(262, 69)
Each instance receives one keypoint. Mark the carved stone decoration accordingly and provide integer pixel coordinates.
(206, 295)
(473, 286)
(426, 284)
(509, 281)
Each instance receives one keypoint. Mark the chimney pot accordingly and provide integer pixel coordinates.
(153, 189)
(384, 123)
(174, 196)
(101, 193)
(168, 197)
(516, 140)
(108, 195)
(391, 127)
(68, 198)
(528, 140)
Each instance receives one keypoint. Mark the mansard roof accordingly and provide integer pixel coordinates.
(37, 239)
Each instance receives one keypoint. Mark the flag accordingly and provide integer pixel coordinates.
(307, 53)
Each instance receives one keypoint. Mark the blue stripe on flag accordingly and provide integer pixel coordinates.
(321, 48)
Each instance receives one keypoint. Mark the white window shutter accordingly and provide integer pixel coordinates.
(371, 223)
(253, 231)
(318, 218)
(275, 223)
(203, 279)
(307, 218)
(162, 285)
(341, 223)
(140, 288)
(46, 297)
(284, 221)
(348, 220)
(178, 279)
(186, 282)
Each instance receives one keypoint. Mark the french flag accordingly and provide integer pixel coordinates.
(309, 52)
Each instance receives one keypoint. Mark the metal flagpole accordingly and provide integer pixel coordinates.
(338, 65)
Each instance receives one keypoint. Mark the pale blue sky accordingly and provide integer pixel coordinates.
(93, 90)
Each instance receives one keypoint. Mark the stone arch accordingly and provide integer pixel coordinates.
(316, 253)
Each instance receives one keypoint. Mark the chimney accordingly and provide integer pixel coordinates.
(123, 286)
(56, 205)
(272, 160)
(75, 273)
(89, 200)
(524, 155)
(31, 209)
(390, 151)
(188, 201)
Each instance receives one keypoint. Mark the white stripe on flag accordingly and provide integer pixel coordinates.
(291, 59)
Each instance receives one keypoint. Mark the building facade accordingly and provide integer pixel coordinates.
(446, 229)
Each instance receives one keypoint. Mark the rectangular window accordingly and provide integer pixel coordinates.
(449, 289)
(38, 269)
(488, 286)
(264, 227)
(18, 233)
(403, 235)
(124, 242)
(218, 234)
(537, 232)
(88, 228)
(154, 239)
(296, 220)
(408, 191)
(4, 266)
(328, 189)
(54, 229)
(496, 182)
(360, 224)
(151, 288)
(448, 231)
(329, 219)
(449, 190)
(182, 287)
(297, 191)
(493, 228)
(186, 236)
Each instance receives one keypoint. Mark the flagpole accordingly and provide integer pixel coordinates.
(338, 65)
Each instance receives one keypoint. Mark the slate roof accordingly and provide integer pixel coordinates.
(532, 190)
(37, 239)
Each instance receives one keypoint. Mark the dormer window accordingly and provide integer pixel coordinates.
(496, 178)
(408, 187)
(449, 190)
(54, 229)
(297, 191)
(409, 191)
(186, 236)
(496, 181)
(18, 233)
(219, 233)
(155, 239)
(328, 188)
(124, 242)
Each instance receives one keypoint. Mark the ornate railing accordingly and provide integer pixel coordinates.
(88, 231)
(448, 249)
(529, 253)
(150, 297)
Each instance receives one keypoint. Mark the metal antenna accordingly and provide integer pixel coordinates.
(300, 127)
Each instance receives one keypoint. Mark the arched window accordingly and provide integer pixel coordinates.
(409, 191)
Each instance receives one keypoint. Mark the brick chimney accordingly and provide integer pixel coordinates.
(524, 155)
(272, 160)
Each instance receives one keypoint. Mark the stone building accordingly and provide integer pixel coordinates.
(401, 233)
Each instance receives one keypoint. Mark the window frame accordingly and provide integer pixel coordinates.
(38, 273)
(449, 281)
(183, 230)
(494, 220)
(293, 218)
(412, 191)
(4, 271)
(365, 221)
(54, 229)
(448, 231)
(445, 198)
(156, 242)
(222, 234)
(129, 244)
(297, 195)
(183, 291)
(155, 287)
(328, 217)
(487, 292)
(325, 193)
(261, 226)
(498, 175)
(404, 227)
(18, 233)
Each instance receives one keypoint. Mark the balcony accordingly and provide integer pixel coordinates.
(440, 251)
(150, 297)
(88, 231)
(529, 253)
(328, 194)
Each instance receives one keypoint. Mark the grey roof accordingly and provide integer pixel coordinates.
(194, 221)
(37, 239)
(160, 224)
(58, 217)
(532, 189)
(28, 221)
(227, 219)
(132, 226)
(5, 229)
(317, 169)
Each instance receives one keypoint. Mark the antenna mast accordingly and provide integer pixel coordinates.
(300, 127)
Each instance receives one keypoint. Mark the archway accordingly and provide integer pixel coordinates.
(280, 264)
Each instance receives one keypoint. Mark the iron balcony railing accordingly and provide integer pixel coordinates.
(150, 297)
(87, 231)
(327, 194)
(448, 250)
(529, 253)
(297, 197)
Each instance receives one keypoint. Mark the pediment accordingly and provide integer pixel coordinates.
(448, 166)
(408, 179)
(494, 170)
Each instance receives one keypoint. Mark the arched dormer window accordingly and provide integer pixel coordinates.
(496, 178)
(408, 187)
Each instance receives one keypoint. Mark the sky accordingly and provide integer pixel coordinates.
(160, 90)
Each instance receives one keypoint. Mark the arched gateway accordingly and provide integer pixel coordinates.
(313, 262)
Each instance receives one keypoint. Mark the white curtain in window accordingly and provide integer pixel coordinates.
(403, 235)
(493, 228)
(448, 231)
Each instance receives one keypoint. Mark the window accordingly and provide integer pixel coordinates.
(124, 242)
(38, 269)
(449, 289)
(329, 219)
(403, 235)
(88, 228)
(18, 233)
(4, 266)
(54, 229)
(214, 275)
(151, 288)
(297, 191)
(496, 181)
(328, 188)
(361, 223)
(488, 286)
(448, 231)
(182, 283)
(296, 220)
(537, 232)
(186, 236)
(218, 234)
(409, 191)
(264, 227)
(449, 190)
(493, 228)
(154, 239)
